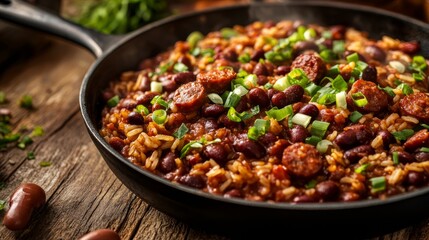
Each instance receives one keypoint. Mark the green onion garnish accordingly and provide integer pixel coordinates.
(311, 184)
(403, 135)
(280, 114)
(354, 57)
(395, 158)
(232, 100)
(159, 116)
(194, 38)
(340, 99)
(268, 86)
(26, 101)
(312, 88)
(259, 128)
(301, 119)
(297, 76)
(338, 46)
(215, 98)
(233, 115)
(424, 125)
(156, 87)
(359, 99)
(45, 164)
(180, 67)
(355, 116)
(313, 140)
(158, 100)
(228, 33)
(378, 184)
(339, 84)
(25, 141)
(281, 84)
(406, 89)
(319, 128)
(250, 81)
(113, 101)
(419, 63)
(328, 55)
(418, 77)
(181, 131)
(362, 168)
(424, 149)
(30, 155)
(388, 90)
(323, 145)
(37, 131)
(2, 204)
(244, 58)
(240, 90)
(142, 109)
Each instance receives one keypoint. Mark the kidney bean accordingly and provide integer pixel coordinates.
(185, 60)
(297, 133)
(210, 125)
(387, 137)
(355, 154)
(375, 53)
(26, 198)
(169, 85)
(195, 181)
(338, 32)
(304, 198)
(116, 143)
(227, 54)
(145, 84)
(415, 178)
(282, 70)
(293, 94)
(303, 46)
(410, 48)
(249, 148)
(226, 122)
(279, 100)
(267, 139)
(355, 135)
(101, 234)
(146, 97)
(271, 92)
(129, 104)
(310, 110)
(421, 156)
(405, 157)
(167, 162)
(260, 69)
(370, 74)
(216, 152)
(233, 193)
(135, 118)
(349, 196)
(242, 104)
(213, 110)
(328, 190)
(184, 77)
(262, 80)
(258, 96)
(419, 139)
(256, 55)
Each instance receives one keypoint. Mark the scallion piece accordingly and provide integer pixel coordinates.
(244, 58)
(419, 63)
(311, 184)
(240, 90)
(232, 100)
(280, 114)
(228, 33)
(25, 141)
(339, 84)
(338, 46)
(268, 86)
(30, 155)
(156, 87)
(297, 76)
(112, 102)
(180, 67)
(246, 115)
(323, 145)
(424, 149)
(158, 100)
(312, 89)
(362, 168)
(37, 131)
(388, 90)
(281, 84)
(26, 101)
(194, 38)
(403, 135)
(181, 131)
(259, 128)
(354, 57)
(301, 119)
(327, 55)
(424, 125)
(159, 116)
(215, 98)
(406, 89)
(395, 158)
(250, 81)
(313, 140)
(418, 77)
(233, 115)
(378, 184)
(142, 109)
(319, 128)
(2, 204)
(355, 116)
(359, 99)
(340, 99)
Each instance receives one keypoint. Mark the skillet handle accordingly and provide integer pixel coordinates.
(27, 15)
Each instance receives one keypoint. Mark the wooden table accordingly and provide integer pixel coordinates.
(82, 192)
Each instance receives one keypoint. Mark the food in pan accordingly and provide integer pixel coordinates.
(279, 112)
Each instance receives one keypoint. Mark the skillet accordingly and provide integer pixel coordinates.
(116, 54)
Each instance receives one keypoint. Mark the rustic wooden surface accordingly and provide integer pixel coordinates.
(82, 193)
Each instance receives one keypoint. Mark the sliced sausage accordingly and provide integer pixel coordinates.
(377, 99)
(312, 65)
(418, 140)
(216, 81)
(190, 97)
(302, 160)
(416, 105)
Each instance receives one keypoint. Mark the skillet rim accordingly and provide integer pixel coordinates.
(326, 206)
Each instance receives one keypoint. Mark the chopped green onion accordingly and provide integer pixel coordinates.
(280, 114)
(158, 100)
(395, 158)
(142, 109)
(2, 97)
(250, 81)
(113, 101)
(424, 149)
(30, 155)
(359, 99)
(388, 90)
(312, 88)
(156, 87)
(418, 77)
(354, 57)
(2, 204)
(309, 34)
(45, 164)
(355, 116)
(268, 86)
(281, 84)
(301, 119)
(323, 145)
(406, 89)
(244, 58)
(328, 55)
(159, 116)
(338, 47)
(403, 135)
(240, 90)
(215, 98)
(419, 63)
(327, 34)
(311, 184)
(37, 131)
(278, 57)
(340, 98)
(378, 184)
(319, 128)
(246, 115)
(313, 140)
(25, 141)
(259, 128)
(228, 33)
(424, 125)
(26, 101)
(180, 67)
(297, 76)
(233, 115)
(362, 168)
(194, 38)
(208, 52)
(181, 131)
(232, 100)
(339, 84)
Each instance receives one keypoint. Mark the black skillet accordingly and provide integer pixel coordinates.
(116, 54)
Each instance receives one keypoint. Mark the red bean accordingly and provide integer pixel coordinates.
(410, 48)
(302, 46)
(258, 96)
(349, 196)
(328, 190)
(293, 94)
(26, 198)
(234, 193)
(195, 181)
(213, 110)
(271, 92)
(116, 143)
(167, 162)
(405, 157)
(354, 135)
(370, 74)
(297, 133)
(169, 85)
(260, 69)
(135, 118)
(338, 32)
(282, 70)
(262, 80)
(355, 154)
(146, 97)
(415, 178)
(421, 156)
(249, 148)
(310, 110)
(258, 54)
(375, 53)
(387, 137)
(216, 152)
(101, 234)
(279, 100)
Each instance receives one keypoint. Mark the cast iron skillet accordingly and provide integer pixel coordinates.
(236, 216)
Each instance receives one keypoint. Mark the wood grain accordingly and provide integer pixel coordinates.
(82, 193)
